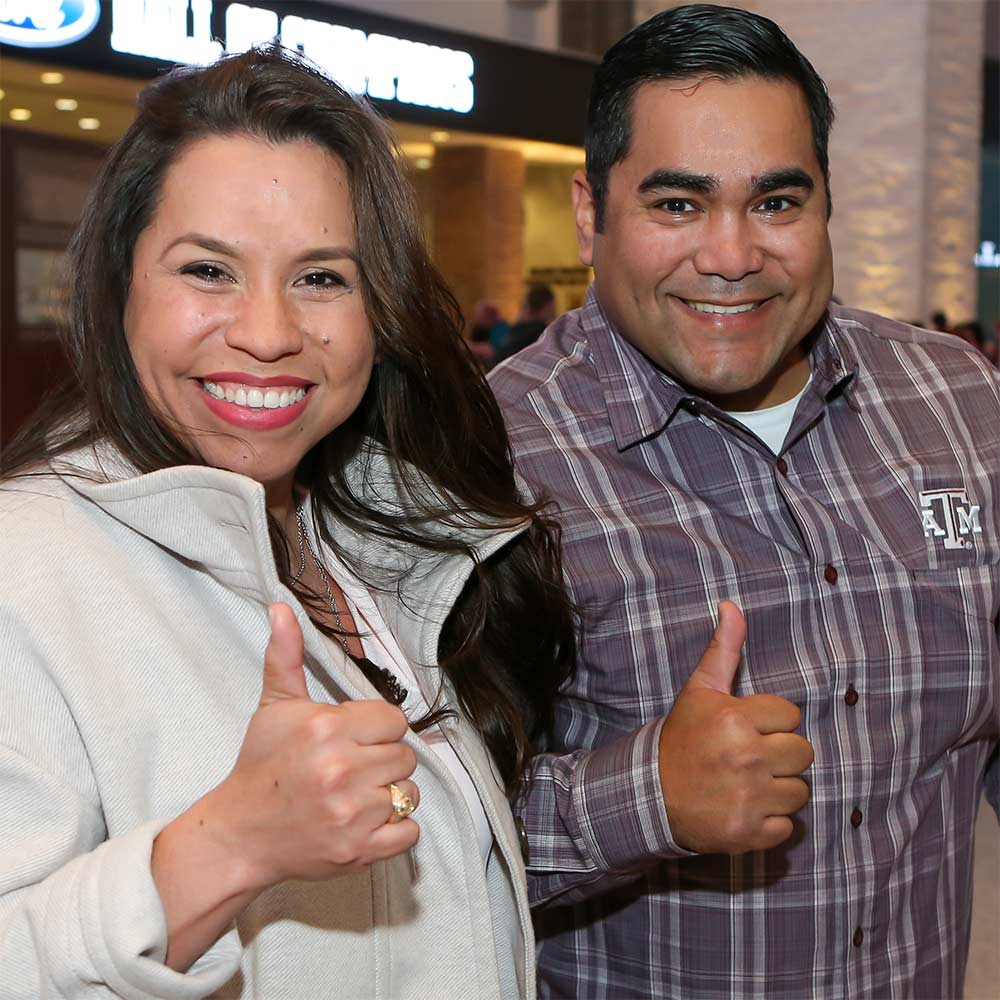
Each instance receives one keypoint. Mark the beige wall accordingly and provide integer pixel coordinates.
(905, 76)
(478, 225)
(550, 232)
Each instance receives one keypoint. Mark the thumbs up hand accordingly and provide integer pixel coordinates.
(729, 767)
(308, 797)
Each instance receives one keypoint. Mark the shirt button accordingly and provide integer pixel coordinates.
(830, 573)
(859, 936)
(851, 696)
(522, 837)
(856, 818)
(782, 466)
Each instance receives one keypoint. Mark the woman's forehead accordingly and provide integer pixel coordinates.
(246, 190)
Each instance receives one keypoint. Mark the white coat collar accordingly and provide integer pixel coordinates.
(217, 520)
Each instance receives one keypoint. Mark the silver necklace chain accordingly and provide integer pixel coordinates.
(396, 690)
(306, 542)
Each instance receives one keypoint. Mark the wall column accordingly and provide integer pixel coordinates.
(477, 199)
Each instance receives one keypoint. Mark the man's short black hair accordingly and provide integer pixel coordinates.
(698, 40)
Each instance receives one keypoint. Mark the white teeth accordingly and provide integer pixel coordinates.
(711, 307)
(256, 399)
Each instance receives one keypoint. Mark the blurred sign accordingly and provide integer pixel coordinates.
(987, 256)
(43, 24)
(383, 66)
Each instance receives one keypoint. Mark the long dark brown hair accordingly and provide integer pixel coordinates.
(507, 646)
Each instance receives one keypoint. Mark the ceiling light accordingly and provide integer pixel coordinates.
(422, 163)
(89, 124)
(20, 114)
(52, 78)
(440, 136)
(2, 92)
(67, 104)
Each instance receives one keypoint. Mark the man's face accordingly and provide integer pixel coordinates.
(714, 259)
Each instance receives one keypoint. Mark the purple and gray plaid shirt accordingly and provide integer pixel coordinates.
(866, 559)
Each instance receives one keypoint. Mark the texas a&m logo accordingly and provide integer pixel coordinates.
(948, 514)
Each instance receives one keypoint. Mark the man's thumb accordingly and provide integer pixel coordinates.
(721, 659)
(283, 675)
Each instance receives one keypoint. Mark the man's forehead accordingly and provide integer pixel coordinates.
(696, 94)
(706, 125)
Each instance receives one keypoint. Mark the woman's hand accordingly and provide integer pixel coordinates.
(308, 798)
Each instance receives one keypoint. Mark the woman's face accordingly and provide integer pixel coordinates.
(245, 315)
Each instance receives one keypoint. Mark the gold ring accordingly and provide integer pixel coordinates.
(402, 804)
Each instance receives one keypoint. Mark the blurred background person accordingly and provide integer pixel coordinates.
(939, 322)
(487, 330)
(538, 311)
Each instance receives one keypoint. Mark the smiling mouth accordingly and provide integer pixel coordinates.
(716, 308)
(255, 398)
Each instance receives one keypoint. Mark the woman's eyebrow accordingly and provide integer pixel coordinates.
(213, 245)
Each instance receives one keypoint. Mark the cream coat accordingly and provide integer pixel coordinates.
(133, 623)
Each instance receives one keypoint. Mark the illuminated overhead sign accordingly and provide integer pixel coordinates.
(382, 66)
(987, 256)
(45, 24)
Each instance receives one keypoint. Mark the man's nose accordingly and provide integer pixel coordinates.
(729, 248)
(266, 327)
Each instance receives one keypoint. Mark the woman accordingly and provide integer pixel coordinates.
(274, 504)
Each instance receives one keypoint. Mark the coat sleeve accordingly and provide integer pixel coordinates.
(594, 819)
(80, 915)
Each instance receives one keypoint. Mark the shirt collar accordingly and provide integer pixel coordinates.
(641, 400)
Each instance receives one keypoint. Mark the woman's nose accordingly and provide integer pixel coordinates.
(266, 327)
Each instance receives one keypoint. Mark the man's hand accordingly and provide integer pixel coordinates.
(729, 767)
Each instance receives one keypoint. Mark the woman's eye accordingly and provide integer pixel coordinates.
(321, 279)
(212, 274)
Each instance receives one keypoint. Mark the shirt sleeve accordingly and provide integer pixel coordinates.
(80, 915)
(993, 781)
(594, 819)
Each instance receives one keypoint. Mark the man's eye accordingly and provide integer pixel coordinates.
(212, 274)
(676, 206)
(779, 203)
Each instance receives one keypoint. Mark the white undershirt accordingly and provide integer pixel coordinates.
(381, 648)
(771, 424)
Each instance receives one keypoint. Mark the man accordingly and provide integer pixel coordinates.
(538, 311)
(711, 429)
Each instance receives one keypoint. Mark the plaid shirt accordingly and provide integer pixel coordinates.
(867, 562)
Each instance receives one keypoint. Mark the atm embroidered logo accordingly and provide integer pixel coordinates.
(41, 24)
(948, 514)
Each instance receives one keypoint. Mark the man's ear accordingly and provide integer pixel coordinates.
(586, 213)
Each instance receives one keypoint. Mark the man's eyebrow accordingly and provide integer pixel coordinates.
(787, 177)
(680, 180)
(224, 249)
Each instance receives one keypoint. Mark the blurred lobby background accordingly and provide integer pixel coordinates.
(488, 100)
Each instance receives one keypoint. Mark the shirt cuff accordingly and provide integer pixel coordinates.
(619, 798)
